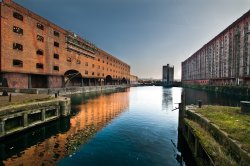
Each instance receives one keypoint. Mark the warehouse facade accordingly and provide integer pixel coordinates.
(35, 53)
(225, 60)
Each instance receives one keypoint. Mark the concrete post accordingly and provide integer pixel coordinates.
(2, 127)
(181, 117)
(43, 115)
(25, 119)
(82, 82)
(65, 107)
(196, 148)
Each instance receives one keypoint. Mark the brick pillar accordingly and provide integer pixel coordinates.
(29, 81)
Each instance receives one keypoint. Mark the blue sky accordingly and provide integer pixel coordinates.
(146, 34)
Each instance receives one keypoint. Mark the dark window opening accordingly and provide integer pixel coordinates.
(56, 33)
(39, 38)
(93, 65)
(56, 56)
(40, 26)
(39, 66)
(86, 64)
(78, 62)
(69, 59)
(39, 52)
(56, 68)
(18, 30)
(18, 46)
(17, 63)
(86, 72)
(93, 73)
(17, 16)
(56, 44)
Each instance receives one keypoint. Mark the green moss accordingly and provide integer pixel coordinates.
(230, 120)
(214, 150)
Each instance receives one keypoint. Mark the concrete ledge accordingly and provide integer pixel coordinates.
(16, 118)
(232, 147)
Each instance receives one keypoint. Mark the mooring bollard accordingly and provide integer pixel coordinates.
(5, 93)
(55, 95)
(10, 98)
(199, 103)
(245, 106)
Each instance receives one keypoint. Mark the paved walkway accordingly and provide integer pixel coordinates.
(18, 98)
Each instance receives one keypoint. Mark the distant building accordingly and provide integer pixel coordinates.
(167, 75)
(133, 80)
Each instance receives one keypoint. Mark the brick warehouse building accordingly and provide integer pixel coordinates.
(36, 53)
(225, 60)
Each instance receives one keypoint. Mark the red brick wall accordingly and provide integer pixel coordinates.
(16, 80)
(115, 67)
(55, 81)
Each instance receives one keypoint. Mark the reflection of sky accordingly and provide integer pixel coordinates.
(140, 136)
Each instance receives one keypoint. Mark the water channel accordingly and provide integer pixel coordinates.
(133, 127)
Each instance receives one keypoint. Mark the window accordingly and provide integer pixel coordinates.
(17, 46)
(103, 74)
(98, 74)
(56, 44)
(56, 68)
(18, 30)
(17, 16)
(40, 26)
(86, 63)
(99, 66)
(93, 73)
(98, 59)
(69, 59)
(78, 62)
(86, 72)
(39, 52)
(56, 56)
(39, 66)
(93, 65)
(56, 33)
(17, 63)
(39, 38)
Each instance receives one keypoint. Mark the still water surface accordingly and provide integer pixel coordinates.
(132, 127)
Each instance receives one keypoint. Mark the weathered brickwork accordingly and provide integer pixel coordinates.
(49, 50)
(17, 80)
(225, 60)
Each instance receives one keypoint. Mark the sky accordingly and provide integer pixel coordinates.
(146, 34)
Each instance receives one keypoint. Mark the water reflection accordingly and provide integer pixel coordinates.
(48, 144)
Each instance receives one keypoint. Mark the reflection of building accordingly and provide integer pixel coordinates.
(224, 60)
(167, 75)
(92, 117)
(36, 53)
